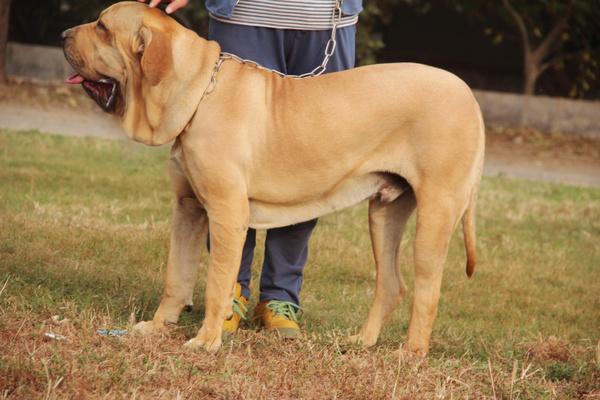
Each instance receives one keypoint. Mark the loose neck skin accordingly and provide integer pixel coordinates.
(157, 112)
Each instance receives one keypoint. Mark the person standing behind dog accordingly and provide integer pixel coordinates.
(289, 36)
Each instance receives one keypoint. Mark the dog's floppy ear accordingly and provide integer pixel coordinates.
(169, 69)
(155, 49)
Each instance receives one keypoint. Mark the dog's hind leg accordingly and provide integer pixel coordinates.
(438, 214)
(386, 224)
(189, 228)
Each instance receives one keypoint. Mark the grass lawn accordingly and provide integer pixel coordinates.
(84, 227)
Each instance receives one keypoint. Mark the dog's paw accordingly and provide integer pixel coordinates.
(360, 340)
(417, 349)
(197, 343)
(406, 357)
(147, 328)
(210, 342)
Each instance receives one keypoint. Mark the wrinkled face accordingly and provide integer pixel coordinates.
(106, 51)
(140, 64)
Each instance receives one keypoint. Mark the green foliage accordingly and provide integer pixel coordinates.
(374, 20)
(560, 371)
(577, 52)
(578, 49)
(368, 40)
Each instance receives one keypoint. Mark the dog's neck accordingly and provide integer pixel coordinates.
(210, 86)
(156, 114)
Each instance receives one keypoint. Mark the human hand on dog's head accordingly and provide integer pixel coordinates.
(171, 8)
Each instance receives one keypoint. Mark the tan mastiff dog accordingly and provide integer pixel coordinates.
(254, 149)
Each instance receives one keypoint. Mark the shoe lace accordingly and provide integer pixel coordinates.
(239, 308)
(284, 309)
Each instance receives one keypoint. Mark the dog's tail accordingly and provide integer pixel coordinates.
(468, 219)
(468, 222)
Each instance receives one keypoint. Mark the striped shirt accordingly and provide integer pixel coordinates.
(286, 14)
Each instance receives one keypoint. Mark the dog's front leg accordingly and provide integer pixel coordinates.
(228, 225)
(188, 236)
(189, 226)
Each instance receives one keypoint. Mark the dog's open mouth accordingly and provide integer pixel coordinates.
(104, 91)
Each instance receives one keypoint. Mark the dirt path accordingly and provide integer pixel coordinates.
(529, 154)
(517, 153)
(59, 120)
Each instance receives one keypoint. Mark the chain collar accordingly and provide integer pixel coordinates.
(336, 17)
(213, 79)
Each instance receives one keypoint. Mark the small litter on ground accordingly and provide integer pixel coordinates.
(111, 332)
(54, 336)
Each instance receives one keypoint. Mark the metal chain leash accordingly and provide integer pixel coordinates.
(336, 17)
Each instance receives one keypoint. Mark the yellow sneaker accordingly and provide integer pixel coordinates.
(280, 316)
(240, 308)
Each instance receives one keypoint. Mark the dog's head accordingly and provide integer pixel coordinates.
(138, 63)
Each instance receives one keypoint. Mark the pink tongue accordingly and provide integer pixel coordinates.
(75, 79)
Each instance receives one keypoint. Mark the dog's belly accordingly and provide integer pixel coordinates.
(265, 215)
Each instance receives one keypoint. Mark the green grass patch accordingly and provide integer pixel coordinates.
(84, 227)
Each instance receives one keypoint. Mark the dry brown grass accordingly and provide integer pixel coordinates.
(258, 365)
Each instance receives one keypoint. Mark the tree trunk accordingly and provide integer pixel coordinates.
(531, 72)
(534, 59)
(4, 15)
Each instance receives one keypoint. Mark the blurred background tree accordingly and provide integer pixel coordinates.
(4, 14)
(535, 46)
(561, 37)
(552, 33)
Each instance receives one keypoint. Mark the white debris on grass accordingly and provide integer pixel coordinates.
(54, 336)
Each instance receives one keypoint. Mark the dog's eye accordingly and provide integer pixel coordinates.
(100, 25)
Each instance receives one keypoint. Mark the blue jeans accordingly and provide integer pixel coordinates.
(292, 52)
